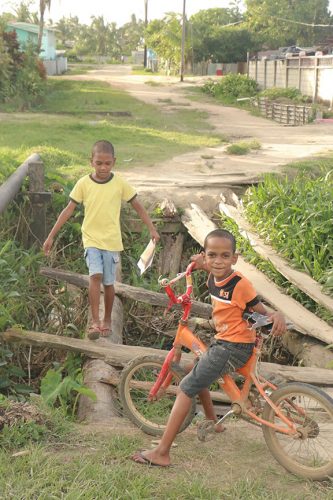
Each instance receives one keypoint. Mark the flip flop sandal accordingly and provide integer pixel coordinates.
(139, 458)
(93, 332)
(105, 332)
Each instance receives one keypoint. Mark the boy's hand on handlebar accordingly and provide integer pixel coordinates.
(198, 259)
(279, 323)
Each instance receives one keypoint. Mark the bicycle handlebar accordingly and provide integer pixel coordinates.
(184, 299)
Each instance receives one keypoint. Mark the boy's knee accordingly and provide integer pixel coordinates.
(96, 278)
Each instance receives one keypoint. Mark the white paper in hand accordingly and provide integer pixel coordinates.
(146, 258)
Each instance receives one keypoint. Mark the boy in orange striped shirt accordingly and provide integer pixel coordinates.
(232, 294)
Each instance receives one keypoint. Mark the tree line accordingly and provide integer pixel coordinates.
(222, 34)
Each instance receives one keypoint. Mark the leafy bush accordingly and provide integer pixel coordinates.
(276, 93)
(231, 86)
(64, 385)
(22, 74)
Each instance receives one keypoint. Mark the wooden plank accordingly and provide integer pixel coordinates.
(130, 292)
(304, 321)
(120, 355)
(303, 281)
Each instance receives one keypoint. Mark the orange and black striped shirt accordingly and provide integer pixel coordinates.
(230, 298)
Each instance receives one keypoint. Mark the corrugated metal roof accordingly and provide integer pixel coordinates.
(32, 28)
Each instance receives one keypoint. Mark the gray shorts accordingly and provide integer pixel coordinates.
(222, 357)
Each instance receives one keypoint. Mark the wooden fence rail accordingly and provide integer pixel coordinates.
(287, 114)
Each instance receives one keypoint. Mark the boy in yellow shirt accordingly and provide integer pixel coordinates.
(101, 194)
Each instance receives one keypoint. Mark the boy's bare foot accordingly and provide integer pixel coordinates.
(151, 457)
(105, 330)
(219, 428)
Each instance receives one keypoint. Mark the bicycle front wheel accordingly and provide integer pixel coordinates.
(136, 380)
(310, 454)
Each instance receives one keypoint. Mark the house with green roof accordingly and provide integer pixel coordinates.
(28, 34)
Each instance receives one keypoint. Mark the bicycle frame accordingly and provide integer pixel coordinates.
(239, 397)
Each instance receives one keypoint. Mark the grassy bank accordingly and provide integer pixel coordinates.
(75, 114)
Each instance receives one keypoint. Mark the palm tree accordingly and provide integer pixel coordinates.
(43, 4)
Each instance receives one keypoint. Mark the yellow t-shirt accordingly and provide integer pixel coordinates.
(102, 204)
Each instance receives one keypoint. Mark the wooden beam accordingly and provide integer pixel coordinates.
(120, 355)
(126, 291)
(303, 320)
(302, 280)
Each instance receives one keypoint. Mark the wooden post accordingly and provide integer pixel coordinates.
(299, 73)
(38, 199)
(315, 82)
(105, 408)
(286, 73)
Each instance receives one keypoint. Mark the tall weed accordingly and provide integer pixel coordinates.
(295, 217)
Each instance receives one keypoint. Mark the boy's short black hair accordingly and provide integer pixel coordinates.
(221, 233)
(102, 147)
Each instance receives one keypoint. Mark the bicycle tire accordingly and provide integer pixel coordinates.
(300, 456)
(135, 403)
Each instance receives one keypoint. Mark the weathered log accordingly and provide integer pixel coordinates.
(308, 351)
(105, 407)
(177, 251)
(127, 291)
(302, 280)
(171, 254)
(120, 355)
(303, 320)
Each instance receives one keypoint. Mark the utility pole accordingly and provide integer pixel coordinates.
(182, 61)
(145, 46)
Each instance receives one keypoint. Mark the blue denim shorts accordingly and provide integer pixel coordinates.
(222, 357)
(102, 262)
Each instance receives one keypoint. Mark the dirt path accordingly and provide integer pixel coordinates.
(199, 176)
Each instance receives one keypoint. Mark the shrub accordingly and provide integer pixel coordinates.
(232, 86)
(276, 93)
(22, 74)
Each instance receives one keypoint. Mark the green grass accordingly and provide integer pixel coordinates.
(96, 466)
(146, 136)
(243, 147)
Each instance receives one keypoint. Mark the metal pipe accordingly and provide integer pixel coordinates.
(12, 185)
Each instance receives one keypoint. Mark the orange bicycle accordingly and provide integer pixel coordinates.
(296, 418)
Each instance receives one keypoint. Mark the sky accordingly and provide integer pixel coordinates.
(119, 11)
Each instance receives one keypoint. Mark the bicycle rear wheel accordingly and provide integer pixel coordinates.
(309, 455)
(136, 380)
